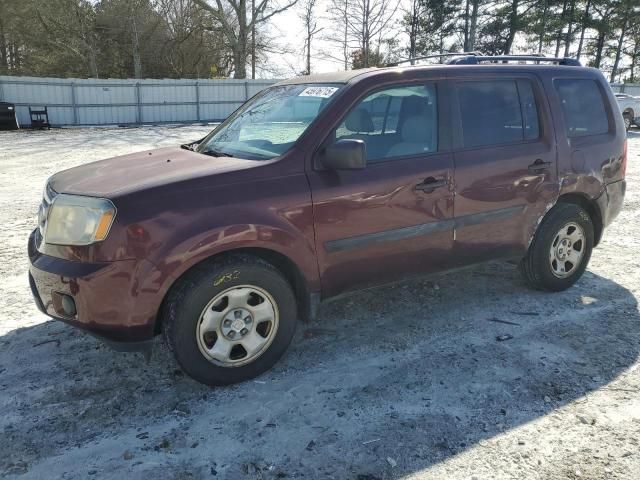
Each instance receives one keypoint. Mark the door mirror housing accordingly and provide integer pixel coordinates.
(347, 154)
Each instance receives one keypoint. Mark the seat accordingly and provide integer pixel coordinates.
(416, 129)
(414, 136)
(359, 121)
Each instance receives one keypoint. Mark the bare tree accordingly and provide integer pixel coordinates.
(237, 22)
(367, 20)
(338, 35)
(359, 28)
(133, 8)
(310, 22)
(191, 47)
(72, 30)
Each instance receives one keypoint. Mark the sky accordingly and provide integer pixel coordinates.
(290, 29)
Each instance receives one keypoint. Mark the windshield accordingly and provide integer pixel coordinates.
(268, 125)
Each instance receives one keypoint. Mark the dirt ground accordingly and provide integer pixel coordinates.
(407, 381)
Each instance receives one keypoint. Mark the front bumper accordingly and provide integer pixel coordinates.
(104, 295)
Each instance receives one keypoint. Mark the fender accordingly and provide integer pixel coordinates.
(156, 276)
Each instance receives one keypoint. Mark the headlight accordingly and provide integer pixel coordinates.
(76, 220)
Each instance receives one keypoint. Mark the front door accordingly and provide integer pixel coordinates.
(506, 172)
(395, 217)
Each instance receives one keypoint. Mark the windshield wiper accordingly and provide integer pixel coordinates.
(217, 153)
(189, 146)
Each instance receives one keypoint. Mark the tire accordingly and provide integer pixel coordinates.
(207, 336)
(628, 120)
(556, 240)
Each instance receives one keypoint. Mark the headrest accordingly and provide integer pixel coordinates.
(415, 105)
(359, 120)
(414, 130)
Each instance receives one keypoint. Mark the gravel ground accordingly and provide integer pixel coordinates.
(408, 381)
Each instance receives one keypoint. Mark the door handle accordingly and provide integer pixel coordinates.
(539, 166)
(430, 184)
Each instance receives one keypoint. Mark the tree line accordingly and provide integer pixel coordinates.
(601, 33)
(233, 38)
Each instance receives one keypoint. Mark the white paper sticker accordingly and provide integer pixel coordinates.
(322, 92)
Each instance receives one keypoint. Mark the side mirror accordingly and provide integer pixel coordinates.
(347, 154)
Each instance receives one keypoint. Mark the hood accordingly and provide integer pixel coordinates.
(139, 171)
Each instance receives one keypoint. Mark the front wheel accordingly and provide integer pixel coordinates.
(230, 320)
(560, 250)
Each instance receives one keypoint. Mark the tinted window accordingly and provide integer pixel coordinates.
(583, 107)
(394, 122)
(497, 112)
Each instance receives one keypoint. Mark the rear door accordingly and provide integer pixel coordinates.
(395, 217)
(506, 172)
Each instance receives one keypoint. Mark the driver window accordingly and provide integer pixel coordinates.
(394, 122)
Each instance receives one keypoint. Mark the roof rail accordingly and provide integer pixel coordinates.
(477, 59)
(434, 55)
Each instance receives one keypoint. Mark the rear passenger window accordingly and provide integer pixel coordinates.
(583, 107)
(497, 112)
(394, 122)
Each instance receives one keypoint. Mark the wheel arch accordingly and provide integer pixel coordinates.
(591, 207)
(305, 299)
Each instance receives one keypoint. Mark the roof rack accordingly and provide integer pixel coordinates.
(475, 58)
(425, 57)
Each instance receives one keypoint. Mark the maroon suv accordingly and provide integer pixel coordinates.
(329, 183)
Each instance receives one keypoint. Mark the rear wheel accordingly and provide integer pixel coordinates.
(628, 120)
(230, 320)
(560, 250)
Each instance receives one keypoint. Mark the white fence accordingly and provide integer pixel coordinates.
(123, 102)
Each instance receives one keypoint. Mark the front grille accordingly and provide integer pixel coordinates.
(43, 211)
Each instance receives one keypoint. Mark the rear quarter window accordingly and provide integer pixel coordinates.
(582, 106)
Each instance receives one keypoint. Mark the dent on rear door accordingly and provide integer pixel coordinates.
(501, 194)
(591, 154)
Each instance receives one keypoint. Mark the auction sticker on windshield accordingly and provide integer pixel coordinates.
(323, 92)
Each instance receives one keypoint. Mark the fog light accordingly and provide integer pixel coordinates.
(64, 304)
(68, 305)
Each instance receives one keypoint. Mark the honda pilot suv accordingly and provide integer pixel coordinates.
(328, 183)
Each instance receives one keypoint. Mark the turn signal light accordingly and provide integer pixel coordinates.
(103, 225)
